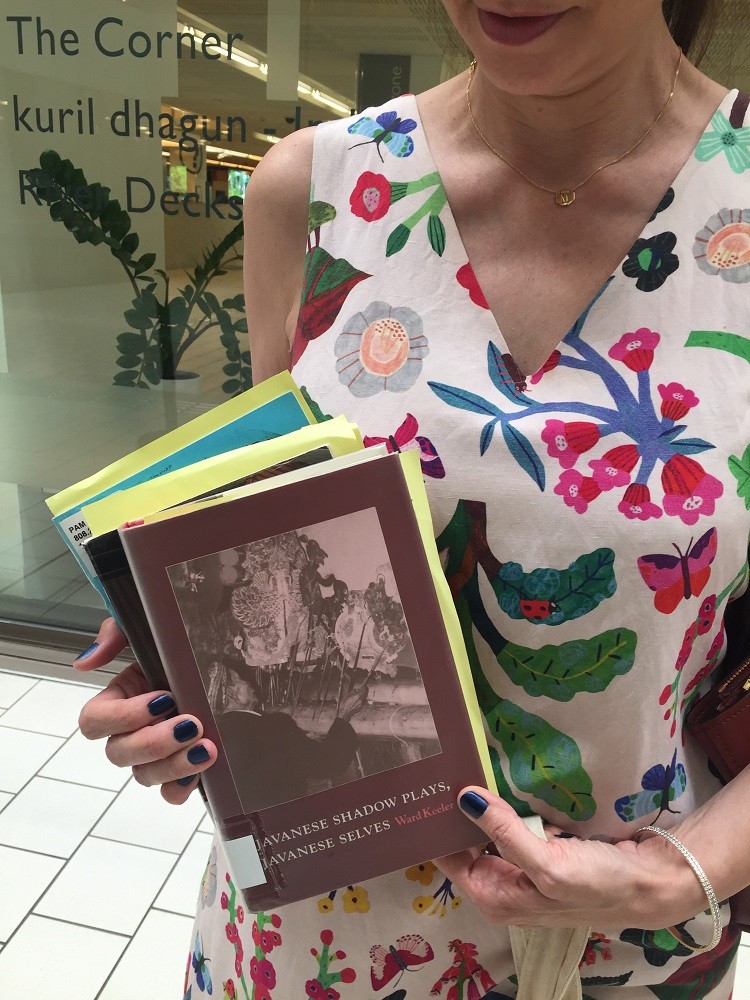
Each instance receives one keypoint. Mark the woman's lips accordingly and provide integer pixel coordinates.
(516, 30)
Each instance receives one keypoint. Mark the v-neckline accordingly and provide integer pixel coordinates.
(678, 183)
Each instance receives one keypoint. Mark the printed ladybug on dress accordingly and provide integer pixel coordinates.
(537, 611)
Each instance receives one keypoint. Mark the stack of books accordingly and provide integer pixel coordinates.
(283, 583)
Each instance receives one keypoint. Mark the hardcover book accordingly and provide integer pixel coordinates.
(307, 622)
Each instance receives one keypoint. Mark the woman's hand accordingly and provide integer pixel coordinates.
(142, 727)
(567, 882)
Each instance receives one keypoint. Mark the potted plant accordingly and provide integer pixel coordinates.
(160, 328)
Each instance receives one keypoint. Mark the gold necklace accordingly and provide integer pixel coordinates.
(566, 196)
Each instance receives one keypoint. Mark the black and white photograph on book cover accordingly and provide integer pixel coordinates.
(306, 659)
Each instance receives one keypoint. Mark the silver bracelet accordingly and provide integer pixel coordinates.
(713, 902)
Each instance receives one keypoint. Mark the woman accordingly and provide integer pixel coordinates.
(581, 197)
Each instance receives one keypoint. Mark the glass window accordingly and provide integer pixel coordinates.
(130, 131)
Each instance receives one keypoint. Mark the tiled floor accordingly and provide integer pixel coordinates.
(98, 875)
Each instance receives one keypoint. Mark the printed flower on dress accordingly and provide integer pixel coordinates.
(549, 365)
(689, 491)
(566, 441)
(468, 280)
(636, 504)
(371, 197)
(355, 900)
(597, 944)
(466, 973)
(676, 400)
(722, 137)
(636, 350)
(576, 490)
(423, 873)
(322, 986)
(723, 245)
(380, 348)
(651, 261)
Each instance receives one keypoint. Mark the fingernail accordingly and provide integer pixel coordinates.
(164, 703)
(473, 804)
(198, 755)
(567, 836)
(87, 652)
(175, 711)
(186, 781)
(185, 730)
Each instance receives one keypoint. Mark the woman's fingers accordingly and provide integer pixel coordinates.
(126, 704)
(180, 765)
(108, 644)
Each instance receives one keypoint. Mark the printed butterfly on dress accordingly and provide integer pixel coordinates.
(200, 967)
(661, 785)
(676, 578)
(388, 130)
(409, 952)
(405, 439)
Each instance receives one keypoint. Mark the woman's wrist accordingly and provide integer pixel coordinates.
(671, 892)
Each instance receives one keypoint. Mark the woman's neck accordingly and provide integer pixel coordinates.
(597, 119)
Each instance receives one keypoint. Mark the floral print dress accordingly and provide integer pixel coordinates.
(594, 521)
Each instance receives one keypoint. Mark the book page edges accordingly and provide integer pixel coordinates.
(107, 514)
(279, 385)
(412, 468)
(276, 482)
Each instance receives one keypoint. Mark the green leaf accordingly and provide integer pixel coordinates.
(121, 225)
(144, 263)
(544, 762)
(320, 213)
(130, 243)
(691, 446)
(399, 190)
(125, 378)
(436, 234)
(521, 449)
(561, 672)
(65, 172)
(316, 410)
(720, 340)
(57, 210)
(230, 386)
(397, 240)
(522, 807)
(97, 236)
(50, 162)
(136, 319)
(152, 374)
(572, 592)
(110, 214)
(740, 469)
(231, 369)
(128, 361)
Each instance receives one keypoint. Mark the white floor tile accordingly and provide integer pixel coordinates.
(51, 817)
(5, 798)
(74, 960)
(24, 877)
(140, 816)
(153, 965)
(207, 824)
(84, 762)
(180, 893)
(21, 756)
(132, 877)
(49, 707)
(12, 686)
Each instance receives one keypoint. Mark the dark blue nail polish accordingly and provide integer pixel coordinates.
(87, 652)
(175, 711)
(186, 781)
(185, 730)
(564, 835)
(198, 755)
(473, 804)
(164, 703)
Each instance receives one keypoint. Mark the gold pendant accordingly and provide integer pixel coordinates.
(565, 197)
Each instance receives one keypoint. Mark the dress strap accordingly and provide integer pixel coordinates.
(739, 110)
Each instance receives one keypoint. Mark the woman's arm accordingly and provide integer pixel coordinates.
(275, 215)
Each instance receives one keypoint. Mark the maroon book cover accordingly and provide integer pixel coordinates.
(301, 625)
